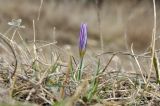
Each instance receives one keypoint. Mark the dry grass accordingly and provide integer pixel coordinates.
(43, 72)
(117, 18)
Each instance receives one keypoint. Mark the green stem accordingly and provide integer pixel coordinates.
(80, 69)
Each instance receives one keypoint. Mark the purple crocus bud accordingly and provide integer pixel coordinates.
(82, 39)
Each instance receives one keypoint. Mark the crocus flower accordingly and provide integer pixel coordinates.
(82, 39)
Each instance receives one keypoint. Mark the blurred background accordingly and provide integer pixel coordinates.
(121, 22)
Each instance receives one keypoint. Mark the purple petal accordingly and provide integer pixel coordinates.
(83, 38)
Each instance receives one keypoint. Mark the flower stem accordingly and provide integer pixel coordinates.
(80, 69)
